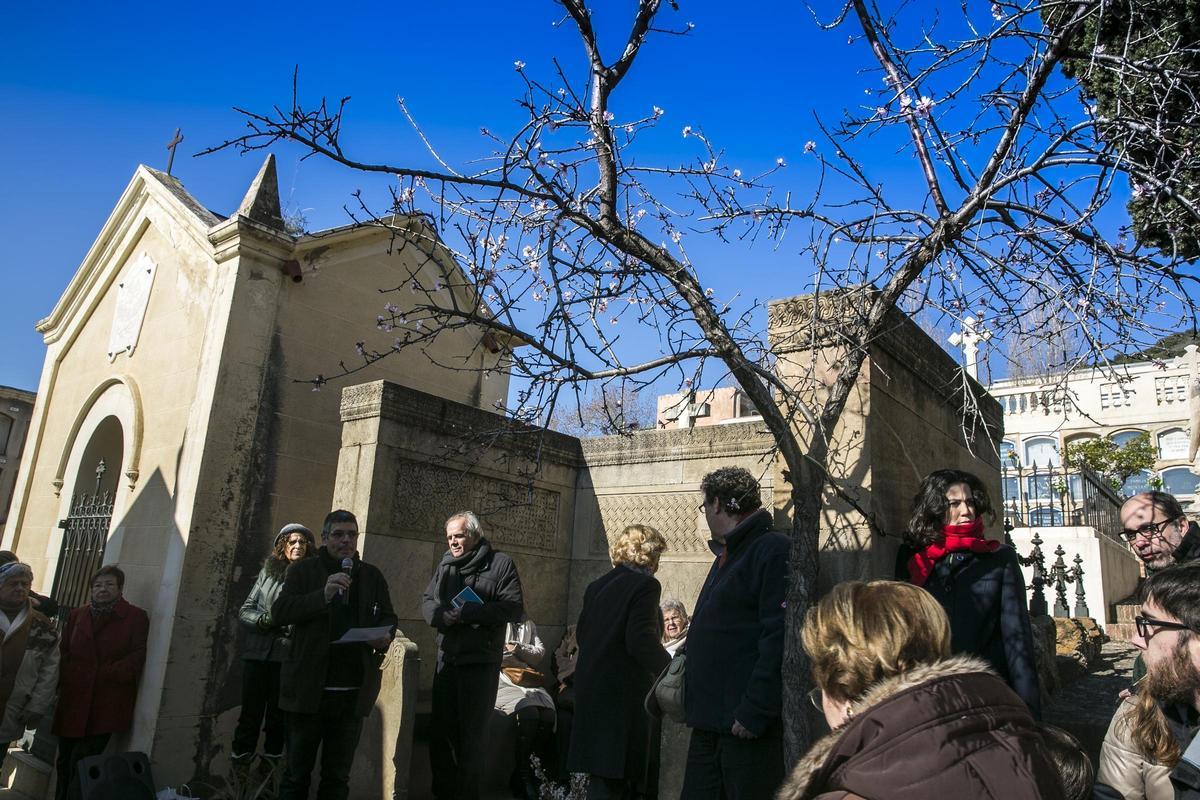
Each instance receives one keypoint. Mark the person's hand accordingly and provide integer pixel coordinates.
(740, 731)
(338, 581)
(264, 621)
(510, 648)
(451, 616)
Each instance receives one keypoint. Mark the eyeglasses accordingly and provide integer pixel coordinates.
(1144, 625)
(814, 697)
(1148, 530)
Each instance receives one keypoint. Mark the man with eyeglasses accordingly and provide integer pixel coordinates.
(733, 681)
(1155, 526)
(1137, 759)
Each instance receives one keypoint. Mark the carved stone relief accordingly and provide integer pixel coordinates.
(673, 514)
(512, 513)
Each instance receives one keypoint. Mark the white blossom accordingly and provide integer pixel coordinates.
(737, 173)
(708, 292)
(779, 162)
(658, 112)
(519, 65)
(687, 131)
(925, 105)
(608, 116)
(997, 12)
(809, 146)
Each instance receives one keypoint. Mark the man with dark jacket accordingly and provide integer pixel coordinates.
(733, 684)
(1159, 532)
(474, 593)
(328, 688)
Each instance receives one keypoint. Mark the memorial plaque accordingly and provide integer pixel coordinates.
(133, 296)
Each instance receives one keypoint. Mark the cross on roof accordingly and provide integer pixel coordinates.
(171, 145)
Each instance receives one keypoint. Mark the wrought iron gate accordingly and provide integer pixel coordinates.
(85, 533)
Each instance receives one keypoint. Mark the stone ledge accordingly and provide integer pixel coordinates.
(397, 403)
(679, 444)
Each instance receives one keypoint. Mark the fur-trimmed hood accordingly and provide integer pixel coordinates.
(950, 729)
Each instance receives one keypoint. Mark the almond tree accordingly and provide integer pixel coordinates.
(567, 238)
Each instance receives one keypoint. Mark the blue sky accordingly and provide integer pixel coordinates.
(93, 90)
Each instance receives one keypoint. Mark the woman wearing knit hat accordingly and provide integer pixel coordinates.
(265, 648)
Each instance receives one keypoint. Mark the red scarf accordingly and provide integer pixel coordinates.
(954, 538)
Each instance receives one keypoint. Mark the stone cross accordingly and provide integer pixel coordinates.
(970, 339)
(687, 413)
(176, 140)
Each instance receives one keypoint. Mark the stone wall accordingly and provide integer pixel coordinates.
(653, 478)
(911, 410)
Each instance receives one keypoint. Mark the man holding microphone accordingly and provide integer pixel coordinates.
(330, 679)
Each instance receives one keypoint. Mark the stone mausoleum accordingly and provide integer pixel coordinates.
(175, 431)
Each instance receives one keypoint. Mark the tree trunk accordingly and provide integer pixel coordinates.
(798, 715)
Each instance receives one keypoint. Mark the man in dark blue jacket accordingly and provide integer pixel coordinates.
(733, 691)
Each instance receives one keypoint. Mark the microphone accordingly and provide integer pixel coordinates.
(347, 565)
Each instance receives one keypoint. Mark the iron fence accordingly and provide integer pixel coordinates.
(1055, 496)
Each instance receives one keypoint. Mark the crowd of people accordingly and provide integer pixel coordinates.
(84, 681)
(928, 683)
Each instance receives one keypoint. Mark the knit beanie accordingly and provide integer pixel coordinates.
(295, 527)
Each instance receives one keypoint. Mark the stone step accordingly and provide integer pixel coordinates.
(1120, 631)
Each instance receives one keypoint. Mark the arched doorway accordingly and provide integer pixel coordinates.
(85, 528)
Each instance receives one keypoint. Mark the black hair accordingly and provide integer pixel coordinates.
(333, 518)
(734, 488)
(929, 505)
(1176, 590)
(1166, 503)
(115, 571)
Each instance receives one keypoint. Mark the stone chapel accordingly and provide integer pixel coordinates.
(173, 433)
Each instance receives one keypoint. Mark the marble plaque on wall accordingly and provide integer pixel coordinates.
(133, 296)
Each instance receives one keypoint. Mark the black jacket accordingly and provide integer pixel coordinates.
(301, 604)
(478, 637)
(984, 596)
(620, 654)
(735, 640)
(1189, 547)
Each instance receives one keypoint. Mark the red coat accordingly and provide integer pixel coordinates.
(98, 675)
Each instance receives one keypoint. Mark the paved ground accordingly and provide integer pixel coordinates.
(1085, 707)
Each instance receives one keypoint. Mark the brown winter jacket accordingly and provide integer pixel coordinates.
(946, 730)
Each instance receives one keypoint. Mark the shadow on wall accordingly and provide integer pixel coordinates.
(149, 547)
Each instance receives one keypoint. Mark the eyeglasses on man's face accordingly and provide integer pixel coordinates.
(1147, 531)
(1148, 626)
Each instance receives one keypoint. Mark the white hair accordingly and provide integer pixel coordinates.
(473, 528)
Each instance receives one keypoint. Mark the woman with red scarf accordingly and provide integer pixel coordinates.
(978, 581)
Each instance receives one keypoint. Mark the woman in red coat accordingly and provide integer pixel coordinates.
(103, 652)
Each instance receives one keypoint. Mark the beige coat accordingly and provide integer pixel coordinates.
(37, 678)
(1125, 769)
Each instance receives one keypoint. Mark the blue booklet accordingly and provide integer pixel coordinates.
(467, 595)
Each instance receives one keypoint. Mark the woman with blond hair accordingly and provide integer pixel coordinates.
(620, 655)
(910, 721)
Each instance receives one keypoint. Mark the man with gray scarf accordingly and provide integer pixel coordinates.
(474, 593)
